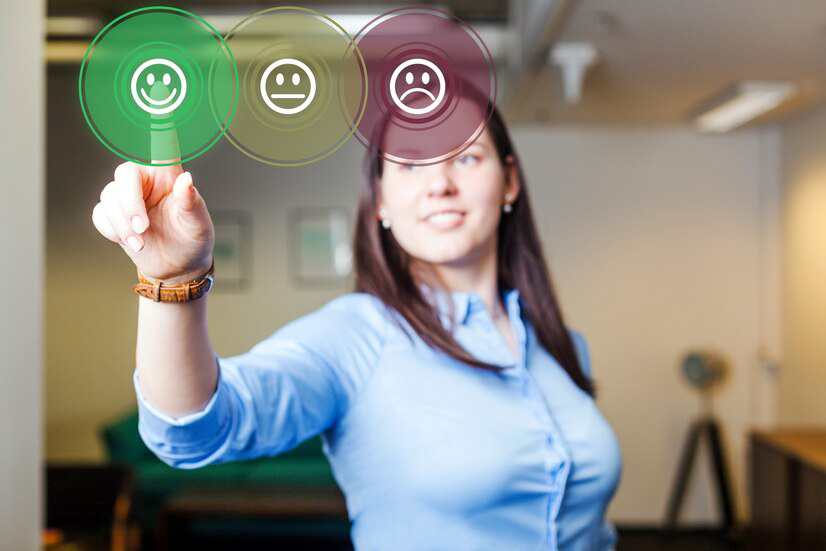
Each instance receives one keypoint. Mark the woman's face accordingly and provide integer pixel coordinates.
(448, 213)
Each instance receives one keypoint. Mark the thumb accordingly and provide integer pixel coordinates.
(190, 203)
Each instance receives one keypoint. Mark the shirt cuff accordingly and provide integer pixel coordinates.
(195, 434)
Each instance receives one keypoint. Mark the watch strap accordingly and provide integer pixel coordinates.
(183, 292)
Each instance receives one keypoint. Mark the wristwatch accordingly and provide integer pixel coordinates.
(183, 292)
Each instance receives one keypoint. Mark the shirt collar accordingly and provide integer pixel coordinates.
(466, 303)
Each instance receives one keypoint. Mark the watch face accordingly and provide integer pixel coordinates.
(206, 288)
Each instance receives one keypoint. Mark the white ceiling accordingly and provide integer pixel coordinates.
(661, 59)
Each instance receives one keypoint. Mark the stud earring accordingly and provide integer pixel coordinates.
(507, 208)
(385, 221)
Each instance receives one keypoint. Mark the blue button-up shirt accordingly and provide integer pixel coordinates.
(430, 453)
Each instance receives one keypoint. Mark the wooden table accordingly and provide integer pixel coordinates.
(788, 489)
(263, 503)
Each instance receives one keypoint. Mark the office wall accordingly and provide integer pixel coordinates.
(654, 237)
(802, 381)
(21, 275)
(662, 240)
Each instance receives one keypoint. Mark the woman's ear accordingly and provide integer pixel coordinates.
(512, 185)
(379, 201)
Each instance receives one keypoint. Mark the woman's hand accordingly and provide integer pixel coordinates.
(159, 219)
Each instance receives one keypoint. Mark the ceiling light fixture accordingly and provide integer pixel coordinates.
(742, 103)
(574, 58)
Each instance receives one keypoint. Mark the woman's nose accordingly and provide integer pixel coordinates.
(439, 181)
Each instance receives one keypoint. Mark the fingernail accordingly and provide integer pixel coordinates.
(190, 187)
(138, 224)
(134, 243)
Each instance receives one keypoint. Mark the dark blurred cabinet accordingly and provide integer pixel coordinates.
(788, 490)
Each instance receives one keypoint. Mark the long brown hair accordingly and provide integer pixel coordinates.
(382, 269)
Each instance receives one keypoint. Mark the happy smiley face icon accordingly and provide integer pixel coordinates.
(425, 70)
(293, 81)
(153, 71)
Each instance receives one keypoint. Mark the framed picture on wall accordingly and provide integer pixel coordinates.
(233, 249)
(319, 246)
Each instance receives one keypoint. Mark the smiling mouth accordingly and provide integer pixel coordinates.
(422, 90)
(161, 102)
(445, 220)
(288, 96)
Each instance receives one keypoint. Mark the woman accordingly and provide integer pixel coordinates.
(455, 407)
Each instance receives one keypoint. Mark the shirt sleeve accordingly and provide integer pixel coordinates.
(287, 388)
(607, 536)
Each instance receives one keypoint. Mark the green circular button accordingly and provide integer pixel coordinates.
(158, 86)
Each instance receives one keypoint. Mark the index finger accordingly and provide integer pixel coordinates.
(163, 139)
(133, 182)
(163, 145)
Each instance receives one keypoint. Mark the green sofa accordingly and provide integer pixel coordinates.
(156, 481)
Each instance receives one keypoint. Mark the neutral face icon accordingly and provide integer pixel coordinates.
(418, 73)
(288, 86)
(153, 71)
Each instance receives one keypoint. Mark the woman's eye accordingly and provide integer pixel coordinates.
(408, 167)
(466, 159)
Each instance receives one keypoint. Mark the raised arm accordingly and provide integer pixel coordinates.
(196, 408)
(162, 223)
(296, 383)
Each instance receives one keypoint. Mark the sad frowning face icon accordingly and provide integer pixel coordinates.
(417, 75)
